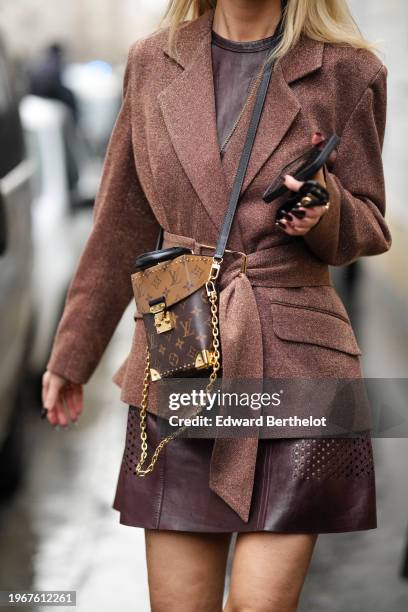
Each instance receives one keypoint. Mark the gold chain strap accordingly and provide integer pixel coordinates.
(143, 471)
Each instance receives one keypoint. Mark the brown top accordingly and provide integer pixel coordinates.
(235, 66)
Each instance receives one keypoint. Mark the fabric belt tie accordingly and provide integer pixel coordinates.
(233, 460)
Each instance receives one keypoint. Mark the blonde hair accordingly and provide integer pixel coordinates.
(324, 20)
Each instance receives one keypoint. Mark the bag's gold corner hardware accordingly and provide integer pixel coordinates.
(154, 375)
(163, 319)
(204, 359)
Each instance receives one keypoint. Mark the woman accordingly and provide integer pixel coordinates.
(188, 94)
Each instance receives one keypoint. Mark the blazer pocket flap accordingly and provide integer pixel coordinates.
(301, 324)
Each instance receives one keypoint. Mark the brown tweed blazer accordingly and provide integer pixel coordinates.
(163, 167)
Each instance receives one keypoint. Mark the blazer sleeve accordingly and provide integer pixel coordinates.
(354, 225)
(123, 227)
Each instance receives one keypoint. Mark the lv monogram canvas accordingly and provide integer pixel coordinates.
(176, 311)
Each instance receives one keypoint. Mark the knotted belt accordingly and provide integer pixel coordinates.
(232, 467)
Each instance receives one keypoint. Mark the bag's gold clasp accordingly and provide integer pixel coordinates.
(215, 269)
(163, 320)
(212, 277)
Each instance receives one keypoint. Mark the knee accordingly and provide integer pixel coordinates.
(188, 602)
(269, 604)
(273, 607)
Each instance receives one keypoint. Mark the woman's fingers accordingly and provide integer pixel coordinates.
(78, 398)
(291, 183)
(73, 398)
(70, 405)
(56, 415)
(61, 413)
(52, 385)
(293, 225)
(297, 227)
(61, 398)
(65, 409)
(318, 138)
(45, 386)
(52, 416)
(292, 229)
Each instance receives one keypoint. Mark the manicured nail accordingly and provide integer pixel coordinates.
(280, 224)
(57, 427)
(288, 216)
(299, 214)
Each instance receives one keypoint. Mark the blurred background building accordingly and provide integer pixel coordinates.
(61, 69)
(91, 28)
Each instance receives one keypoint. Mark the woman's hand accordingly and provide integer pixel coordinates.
(295, 226)
(58, 393)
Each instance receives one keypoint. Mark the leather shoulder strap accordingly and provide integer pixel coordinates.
(244, 160)
(159, 241)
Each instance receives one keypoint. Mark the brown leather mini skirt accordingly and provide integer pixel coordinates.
(301, 485)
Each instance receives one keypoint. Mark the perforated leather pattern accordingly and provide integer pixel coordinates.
(132, 448)
(332, 458)
(322, 458)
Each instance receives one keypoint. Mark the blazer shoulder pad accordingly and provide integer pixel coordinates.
(356, 68)
(349, 60)
(145, 48)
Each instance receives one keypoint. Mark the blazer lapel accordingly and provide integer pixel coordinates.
(188, 109)
(280, 110)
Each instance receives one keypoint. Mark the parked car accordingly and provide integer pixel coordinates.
(59, 228)
(16, 254)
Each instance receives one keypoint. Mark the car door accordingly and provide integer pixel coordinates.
(15, 246)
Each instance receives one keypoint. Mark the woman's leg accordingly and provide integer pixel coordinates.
(268, 571)
(186, 571)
